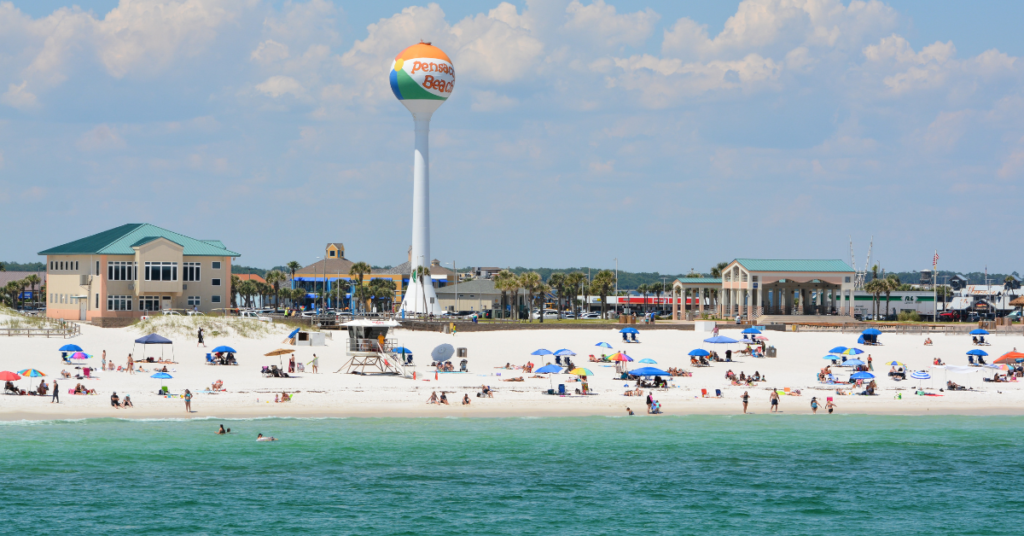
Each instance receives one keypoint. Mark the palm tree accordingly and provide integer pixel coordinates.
(33, 280)
(585, 287)
(275, 278)
(384, 291)
(358, 270)
(421, 273)
(716, 270)
(643, 289)
(513, 286)
(558, 281)
(235, 283)
(874, 272)
(604, 284)
(892, 284)
(501, 282)
(573, 282)
(529, 283)
(875, 287)
(656, 289)
(293, 266)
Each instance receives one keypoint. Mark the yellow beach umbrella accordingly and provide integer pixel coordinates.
(581, 372)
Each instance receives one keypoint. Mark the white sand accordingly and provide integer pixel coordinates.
(330, 394)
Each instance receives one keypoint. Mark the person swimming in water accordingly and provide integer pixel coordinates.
(268, 438)
(222, 431)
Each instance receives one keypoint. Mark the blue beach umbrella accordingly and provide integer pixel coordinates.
(603, 345)
(853, 363)
(699, 352)
(402, 350)
(751, 331)
(871, 331)
(648, 371)
(225, 349)
(542, 351)
(565, 352)
(979, 332)
(831, 357)
(920, 375)
(862, 376)
(70, 348)
(649, 361)
(549, 369)
(721, 339)
(852, 351)
(977, 352)
(837, 350)
(162, 376)
(629, 330)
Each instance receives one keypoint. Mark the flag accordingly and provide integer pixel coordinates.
(935, 259)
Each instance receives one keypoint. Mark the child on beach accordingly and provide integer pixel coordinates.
(830, 406)
(814, 404)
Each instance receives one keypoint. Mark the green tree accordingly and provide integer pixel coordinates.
(275, 278)
(892, 284)
(656, 290)
(603, 285)
(643, 289)
(529, 283)
(558, 282)
(718, 269)
(573, 283)
(502, 280)
(876, 288)
(235, 282)
(293, 266)
(383, 291)
(359, 270)
(33, 280)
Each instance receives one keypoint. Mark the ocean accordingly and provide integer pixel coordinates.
(761, 474)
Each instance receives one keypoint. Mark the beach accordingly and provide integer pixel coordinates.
(248, 394)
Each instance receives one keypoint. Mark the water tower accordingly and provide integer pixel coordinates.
(422, 77)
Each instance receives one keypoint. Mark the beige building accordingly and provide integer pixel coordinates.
(134, 270)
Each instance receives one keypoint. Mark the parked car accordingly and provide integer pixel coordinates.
(253, 315)
(172, 313)
(195, 313)
(590, 316)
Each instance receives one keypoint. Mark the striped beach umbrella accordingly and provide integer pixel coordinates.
(852, 351)
(581, 372)
(31, 373)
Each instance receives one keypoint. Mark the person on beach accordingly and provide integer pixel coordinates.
(114, 401)
(433, 398)
(316, 363)
(775, 400)
(131, 364)
(200, 336)
(871, 365)
(291, 364)
(127, 402)
(650, 401)
(814, 404)
(222, 431)
(188, 401)
(260, 437)
(830, 406)
(103, 363)
(443, 399)
(56, 393)
(629, 411)
(465, 399)
(746, 400)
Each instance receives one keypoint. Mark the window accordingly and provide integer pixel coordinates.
(149, 303)
(121, 271)
(332, 253)
(215, 282)
(190, 271)
(215, 299)
(119, 303)
(76, 265)
(161, 271)
(847, 279)
(193, 301)
(97, 301)
(216, 265)
(51, 266)
(97, 267)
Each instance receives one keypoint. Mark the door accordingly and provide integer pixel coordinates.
(165, 303)
(82, 303)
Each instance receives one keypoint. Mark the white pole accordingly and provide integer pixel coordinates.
(421, 221)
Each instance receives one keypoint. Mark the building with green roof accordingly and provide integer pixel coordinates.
(115, 276)
(752, 288)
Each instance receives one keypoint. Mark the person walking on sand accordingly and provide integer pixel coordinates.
(200, 335)
(775, 400)
(814, 405)
(103, 363)
(56, 393)
(131, 364)
(188, 401)
(830, 406)
(871, 365)
(746, 400)
(316, 363)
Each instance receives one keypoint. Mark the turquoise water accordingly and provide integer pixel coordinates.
(639, 475)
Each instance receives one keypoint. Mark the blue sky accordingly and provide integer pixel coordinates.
(669, 135)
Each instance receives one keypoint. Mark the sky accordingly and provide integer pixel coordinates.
(669, 135)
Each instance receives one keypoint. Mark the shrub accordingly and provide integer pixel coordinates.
(909, 316)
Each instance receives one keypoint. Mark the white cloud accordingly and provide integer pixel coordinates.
(661, 82)
(1013, 165)
(18, 97)
(100, 138)
(490, 101)
(269, 51)
(602, 23)
(934, 66)
(277, 86)
(498, 47)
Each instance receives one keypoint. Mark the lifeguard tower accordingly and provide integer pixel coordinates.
(372, 352)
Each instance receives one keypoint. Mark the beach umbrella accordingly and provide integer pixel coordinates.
(871, 331)
(649, 361)
(603, 345)
(80, 355)
(721, 339)
(860, 340)
(162, 376)
(862, 376)
(831, 358)
(699, 352)
(978, 352)
(225, 349)
(8, 376)
(565, 352)
(618, 357)
(897, 364)
(1003, 368)
(70, 348)
(549, 369)
(542, 351)
(279, 352)
(920, 375)
(852, 351)
(581, 372)
(760, 338)
(751, 331)
(648, 371)
(442, 353)
(629, 331)
(402, 350)
(837, 350)
(853, 363)
(1010, 357)
(979, 332)
(31, 373)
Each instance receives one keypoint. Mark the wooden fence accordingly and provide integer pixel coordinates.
(64, 330)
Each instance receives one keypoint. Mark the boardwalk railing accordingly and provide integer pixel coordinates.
(63, 330)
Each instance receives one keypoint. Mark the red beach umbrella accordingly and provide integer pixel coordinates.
(8, 376)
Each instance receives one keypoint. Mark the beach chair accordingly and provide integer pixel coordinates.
(86, 371)
(703, 393)
(718, 393)
(625, 338)
(786, 391)
(561, 389)
(634, 338)
(209, 359)
(164, 390)
(970, 360)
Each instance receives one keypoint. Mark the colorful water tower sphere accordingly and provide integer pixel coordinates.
(422, 77)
